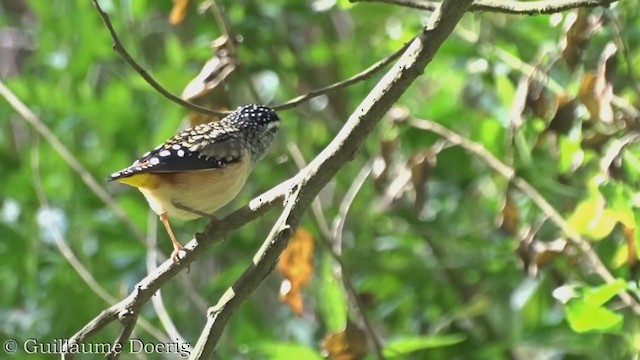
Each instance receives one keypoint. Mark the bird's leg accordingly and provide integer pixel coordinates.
(194, 211)
(177, 247)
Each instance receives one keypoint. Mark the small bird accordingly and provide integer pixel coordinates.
(202, 168)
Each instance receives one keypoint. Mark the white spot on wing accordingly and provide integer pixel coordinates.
(180, 153)
(154, 161)
(165, 153)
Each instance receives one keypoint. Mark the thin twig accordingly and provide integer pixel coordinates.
(68, 253)
(30, 117)
(509, 174)
(504, 6)
(335, 249)
(119, 48)
(363, 75)
(58, 238)
(333, 242)
(222, 24)
(349, 196)
(27, 115)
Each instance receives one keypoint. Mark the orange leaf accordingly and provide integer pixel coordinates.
(178, 11)
(349, 344)
(296, 265)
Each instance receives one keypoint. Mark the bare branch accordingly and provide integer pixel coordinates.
(363, 75)
(27, 115)
(128, 320)
(333, 242)
(505, 6)
(167, 270)
(70, 256)
(323, 168)
(117, 46)
(509, 174)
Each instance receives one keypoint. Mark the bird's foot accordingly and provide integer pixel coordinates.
(175, 255)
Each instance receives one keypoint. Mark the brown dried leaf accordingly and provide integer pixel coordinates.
(535, 253)
(541, 103)
(595, 140)
(349, 344)
(421, 164)
(207, 88)
(578, 31)
(178, 12)
(565, 115)
(596, 92)
(296, 266)
(509, 216)
(384, 162)
(547, 251)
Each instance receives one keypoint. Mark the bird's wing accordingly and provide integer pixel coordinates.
(183, 153)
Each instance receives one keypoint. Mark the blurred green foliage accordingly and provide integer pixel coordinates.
(448, 278)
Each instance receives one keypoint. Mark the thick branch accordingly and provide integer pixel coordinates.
(324, 167)
(507, 7)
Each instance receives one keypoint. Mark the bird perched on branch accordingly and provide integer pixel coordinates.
(202, 168)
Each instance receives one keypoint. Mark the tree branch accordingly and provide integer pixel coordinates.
(323, 168)
(167, 270)
(117, 46)
(505, 6)
(363, 75)
(120, 49)
(332, 240)
(509, 174)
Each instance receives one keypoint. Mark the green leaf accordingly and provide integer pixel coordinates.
(598, 296)
(285, 351)
(333, 299)
(584, 317)
(412, 344)
(592, 219)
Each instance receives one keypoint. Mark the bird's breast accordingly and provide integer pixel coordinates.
(204, 191)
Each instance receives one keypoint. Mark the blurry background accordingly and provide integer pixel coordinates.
(448, 260)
